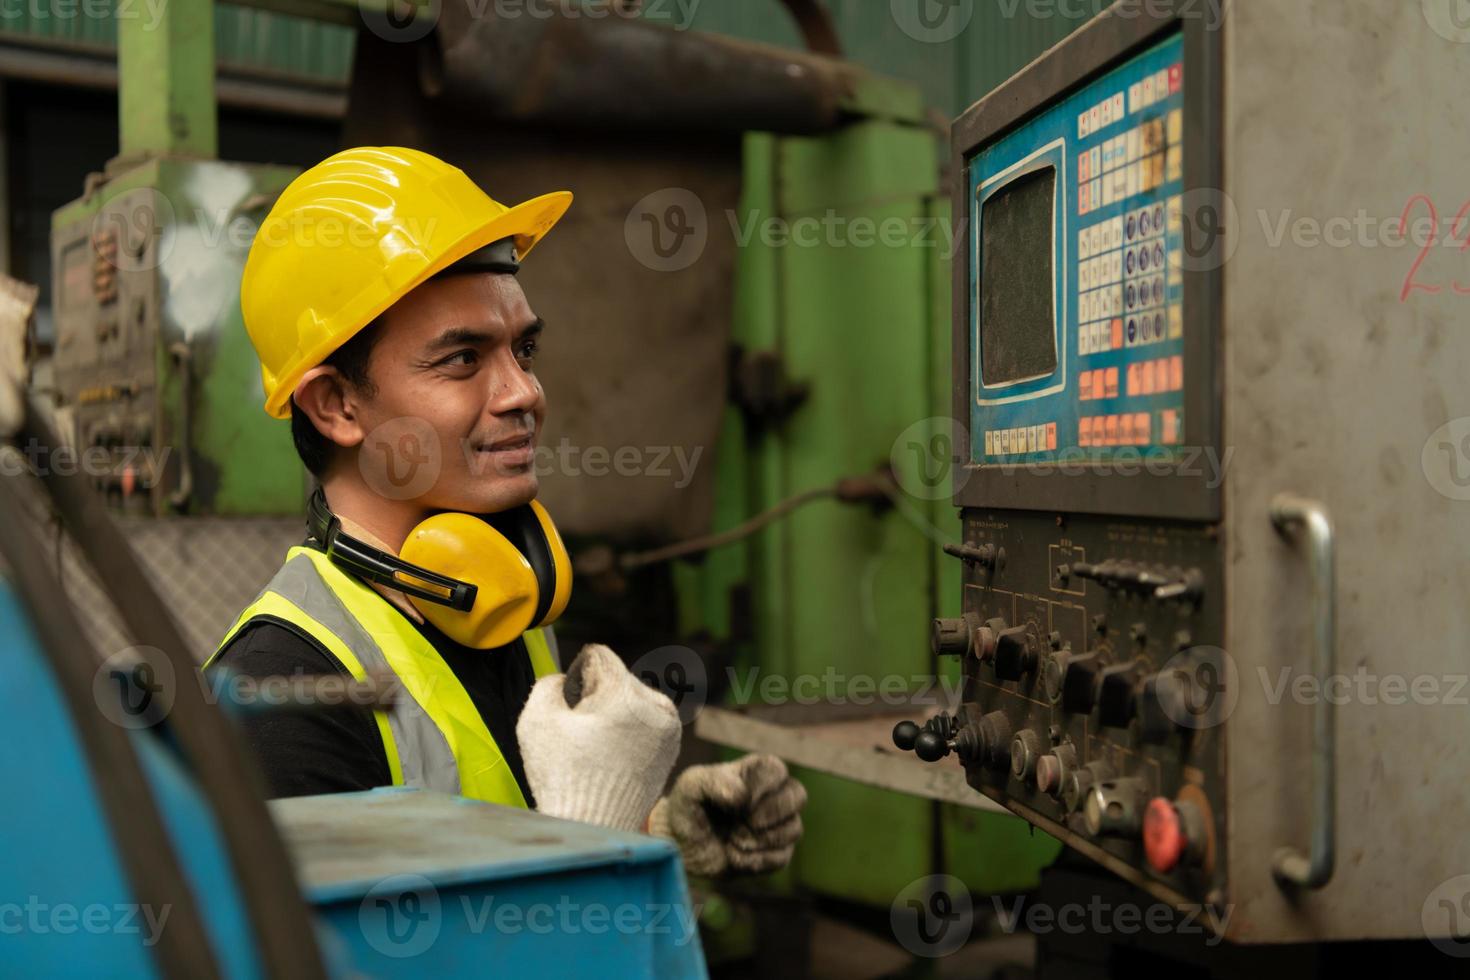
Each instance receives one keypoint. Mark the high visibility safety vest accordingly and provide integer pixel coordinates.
(434, 737)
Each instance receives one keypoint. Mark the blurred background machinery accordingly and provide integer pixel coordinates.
(779, 370)
(801, 392)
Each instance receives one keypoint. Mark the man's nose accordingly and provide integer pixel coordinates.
(512, 388)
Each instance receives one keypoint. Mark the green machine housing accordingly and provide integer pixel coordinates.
(152, 362)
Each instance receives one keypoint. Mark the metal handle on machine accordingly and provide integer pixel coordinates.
(1294, 514)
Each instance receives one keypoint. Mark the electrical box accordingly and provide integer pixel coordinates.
(157, 384)
(1210, 539)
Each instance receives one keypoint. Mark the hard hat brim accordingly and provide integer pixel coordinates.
(527, 222)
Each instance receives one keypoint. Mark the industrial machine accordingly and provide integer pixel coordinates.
(1200, 556)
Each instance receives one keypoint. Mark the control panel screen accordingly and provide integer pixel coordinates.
(1077, 311)
(1018, 312)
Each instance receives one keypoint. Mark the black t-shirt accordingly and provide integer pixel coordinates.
(340, 750)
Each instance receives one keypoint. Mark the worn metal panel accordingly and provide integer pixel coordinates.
(1337, 389)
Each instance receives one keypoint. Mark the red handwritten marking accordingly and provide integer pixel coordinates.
(1409, 284)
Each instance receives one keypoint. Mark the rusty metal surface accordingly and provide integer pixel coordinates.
(634, 357)
(631, 73)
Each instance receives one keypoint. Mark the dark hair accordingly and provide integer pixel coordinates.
(351, 361)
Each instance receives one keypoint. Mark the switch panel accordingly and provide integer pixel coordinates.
(1097, 706)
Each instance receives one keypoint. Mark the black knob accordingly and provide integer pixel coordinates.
(1163, 701)
(967, 745)
(1015, 653)
(1117, 698)
(954, 637)
(931, 746)
(1079, 684)
(905, 734)
(995, 741)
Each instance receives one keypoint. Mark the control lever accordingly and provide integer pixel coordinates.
(1173, 583)
(985, 555)
(938, 737)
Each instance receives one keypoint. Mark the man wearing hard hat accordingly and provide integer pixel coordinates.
(381, 296)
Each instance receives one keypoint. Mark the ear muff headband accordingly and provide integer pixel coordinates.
(376, 565)
(481, 579)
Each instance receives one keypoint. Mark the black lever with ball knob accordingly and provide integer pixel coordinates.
(937, 738)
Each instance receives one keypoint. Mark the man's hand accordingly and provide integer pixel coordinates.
(597, 743)
(741, 817)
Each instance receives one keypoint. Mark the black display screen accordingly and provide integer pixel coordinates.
(1017, 298)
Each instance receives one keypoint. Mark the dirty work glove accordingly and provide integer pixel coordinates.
(741, 817)
(597, 743)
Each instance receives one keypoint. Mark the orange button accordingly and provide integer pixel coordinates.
(1163, 837)
(1111, 385)
(1117, 333)
(1051, 436)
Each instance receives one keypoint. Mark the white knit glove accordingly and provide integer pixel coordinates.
(741, 817)
(604, 758)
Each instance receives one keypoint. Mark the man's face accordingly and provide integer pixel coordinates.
(455, 356)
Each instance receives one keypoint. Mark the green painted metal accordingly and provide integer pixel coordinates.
(974, 46)
(166, 81)
(844, 272)
(245, 461)
(250, 39)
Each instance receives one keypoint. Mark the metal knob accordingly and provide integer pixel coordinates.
(1114, 808)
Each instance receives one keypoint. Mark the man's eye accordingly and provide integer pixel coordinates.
(465, 357)
(529, 349)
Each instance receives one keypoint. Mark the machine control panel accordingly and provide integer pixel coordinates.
(1094, 688)
(1077, 316)
(1091, 623)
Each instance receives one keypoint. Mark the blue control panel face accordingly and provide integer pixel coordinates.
(1077, 319)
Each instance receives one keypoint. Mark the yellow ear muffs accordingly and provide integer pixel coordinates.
(515, 560)
(531, 530)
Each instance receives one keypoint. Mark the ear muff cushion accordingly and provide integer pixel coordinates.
(465, 547)
(522, 529)
(529, 528)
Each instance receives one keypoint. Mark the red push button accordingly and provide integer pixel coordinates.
(1163, 836)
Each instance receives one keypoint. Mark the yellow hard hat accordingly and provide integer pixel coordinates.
(350, 237)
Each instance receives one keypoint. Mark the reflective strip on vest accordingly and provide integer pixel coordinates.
(434, 736)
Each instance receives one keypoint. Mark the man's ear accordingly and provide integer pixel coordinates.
(331, 404)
